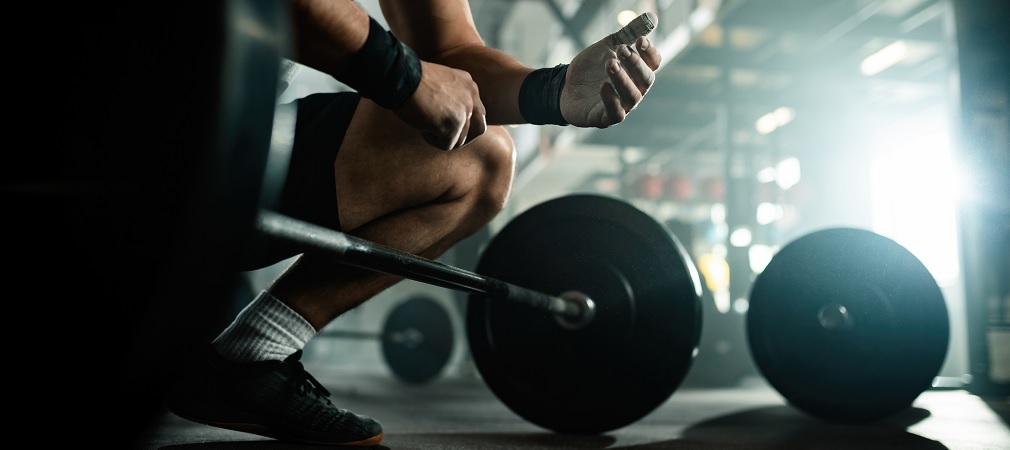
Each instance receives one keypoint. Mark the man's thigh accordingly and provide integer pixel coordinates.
(309, 193)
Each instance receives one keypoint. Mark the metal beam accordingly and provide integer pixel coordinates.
(571, 30)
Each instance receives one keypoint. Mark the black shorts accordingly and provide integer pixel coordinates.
(309, 189)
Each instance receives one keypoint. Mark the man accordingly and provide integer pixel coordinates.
(416, 160)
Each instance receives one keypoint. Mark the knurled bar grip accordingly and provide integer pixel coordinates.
(310, 238)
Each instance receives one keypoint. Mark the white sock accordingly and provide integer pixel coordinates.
(266, 329)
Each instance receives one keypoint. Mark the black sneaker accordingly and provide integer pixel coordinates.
(276, 399)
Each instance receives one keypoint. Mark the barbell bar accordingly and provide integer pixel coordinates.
(416, 339)
(576, 309)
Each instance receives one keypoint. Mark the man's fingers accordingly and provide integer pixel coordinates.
(640, 74)
(449, 137)
(640, 26)
(614, 112)
(458, 134)
(473, 127)
(462, 134)
(648, 52)
(478, 125)
(624, 85)
(478, 121)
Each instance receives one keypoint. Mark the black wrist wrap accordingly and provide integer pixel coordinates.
(385, 70)
(540, 96)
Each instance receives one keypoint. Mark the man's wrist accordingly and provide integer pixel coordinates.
(385, 70)
(540, 96)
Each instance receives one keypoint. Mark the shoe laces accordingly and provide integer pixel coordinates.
(302, 381)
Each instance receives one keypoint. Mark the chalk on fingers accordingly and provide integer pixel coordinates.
(640, 26)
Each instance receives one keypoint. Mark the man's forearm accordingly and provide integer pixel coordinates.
(328, 33)
(498, 75)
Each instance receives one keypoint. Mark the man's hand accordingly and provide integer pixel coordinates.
(446, 107)
(608, 79)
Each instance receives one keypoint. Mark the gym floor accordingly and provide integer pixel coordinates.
(460, 412)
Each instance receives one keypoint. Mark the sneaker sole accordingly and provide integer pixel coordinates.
(274, 434)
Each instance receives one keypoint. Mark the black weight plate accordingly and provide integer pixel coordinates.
(417, 340)
(151, 177)
(630, 358)
(870, 362)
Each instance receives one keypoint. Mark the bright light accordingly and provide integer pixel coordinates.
(740, 237)
(765, 124)
(625, 17)
(701, 18)
(716, 270)
(741, 305)
(759, 256)
(768, 213)
(774, 120)
(787, 173)
(632, 155)
(719, 250)
(914, 187)
(718, 213)
(766, 175)
(783, 116)
(884, 58)
(721, 299)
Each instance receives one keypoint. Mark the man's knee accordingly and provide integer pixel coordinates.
(498, 154)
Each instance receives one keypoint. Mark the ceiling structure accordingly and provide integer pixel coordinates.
(726, 65)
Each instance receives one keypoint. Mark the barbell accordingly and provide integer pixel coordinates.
(584, 313)
(416, 339)
(848, 325)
